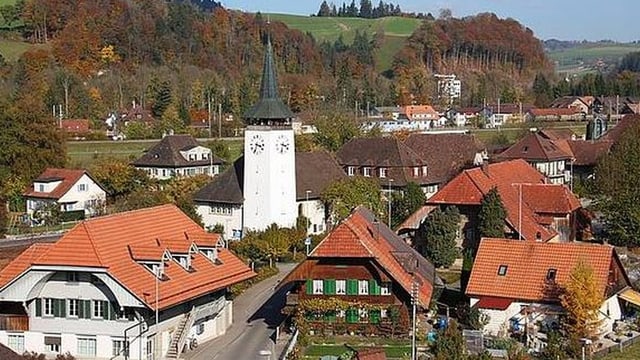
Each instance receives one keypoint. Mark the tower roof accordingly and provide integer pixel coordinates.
(269, 107)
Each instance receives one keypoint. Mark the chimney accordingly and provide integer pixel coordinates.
(485, 165)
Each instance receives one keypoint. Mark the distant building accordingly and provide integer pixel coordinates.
(178, 155)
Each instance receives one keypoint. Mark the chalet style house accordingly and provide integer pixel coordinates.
(536, 211)
(73, 190)
(178, 155)
(543, 154)
(368, 273)
(517, 283)
(135, 284)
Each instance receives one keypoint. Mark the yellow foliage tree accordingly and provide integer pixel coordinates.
(582, 299)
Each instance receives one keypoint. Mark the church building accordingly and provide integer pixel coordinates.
(270, 183)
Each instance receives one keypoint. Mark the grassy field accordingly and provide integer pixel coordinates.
(81, 154)
(581, 59)
(12, 49)
(630, 353)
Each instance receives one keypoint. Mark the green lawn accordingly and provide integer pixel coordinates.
(316, 351)
(630, 353)
(12, 49)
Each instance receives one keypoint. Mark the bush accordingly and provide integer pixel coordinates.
(263, 273)
(75, 215)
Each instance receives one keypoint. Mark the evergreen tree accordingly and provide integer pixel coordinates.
(449, 344)
(352, 11)
(542, 91)
(492, 215)
(404, 204)
(436, 237)
(325, 10)
(365, 9)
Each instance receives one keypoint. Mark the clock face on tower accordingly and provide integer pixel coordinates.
(282, 144)
(256, 144)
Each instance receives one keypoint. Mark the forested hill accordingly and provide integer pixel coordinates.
(484, 50)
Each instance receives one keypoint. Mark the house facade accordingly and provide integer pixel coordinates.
(71, 189)
(178, 155)
(368, 275)
(139, 285)
(523, 296)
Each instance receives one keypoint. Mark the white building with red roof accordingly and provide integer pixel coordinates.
(98, 291)
(71, 189)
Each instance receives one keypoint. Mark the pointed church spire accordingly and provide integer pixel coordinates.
(269, 107)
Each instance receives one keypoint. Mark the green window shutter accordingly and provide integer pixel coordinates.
(38, 307)
(374, 288)
(374, 316)
(80, 305)
(62, 308)
(105, 310)
(113, 310)
(56, 307)
(87, 309)
(309, 286)
(329, 287)
(352, 287)
(352, 316)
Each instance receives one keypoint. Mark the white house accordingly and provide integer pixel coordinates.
(141, 283)
(178, 155)
(73, 190)
(517, 283)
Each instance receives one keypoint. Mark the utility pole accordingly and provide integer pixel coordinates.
(389, 203)
(414, 300)
(219, 120)
(209, 111)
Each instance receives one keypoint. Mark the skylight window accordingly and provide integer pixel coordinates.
(502, 270)
(551, 274)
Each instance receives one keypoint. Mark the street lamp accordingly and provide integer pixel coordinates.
(414, 301)
(389, 202)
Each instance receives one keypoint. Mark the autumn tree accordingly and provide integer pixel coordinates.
(492, 215)
(581, 299)
(344, 195)
(617, 175)
(118, 177)
(334, 130)
(436, 236)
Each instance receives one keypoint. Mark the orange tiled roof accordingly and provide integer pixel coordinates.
(112, 242)
(358, 236)
(535, 147)
(68, 177)
(527, 266)
(411, 110)
(550, 198)
(469, 187)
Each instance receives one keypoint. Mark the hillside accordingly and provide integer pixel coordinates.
(589, 57)
(396, 31)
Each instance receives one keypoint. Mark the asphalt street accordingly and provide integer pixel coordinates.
(256, 314)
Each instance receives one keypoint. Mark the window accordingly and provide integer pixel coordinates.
(40, 187)
(424, 171)
(150, 347)
(383, 172)
(502, 270)
(72, 276)
(416, 171)
(47, 307)
(385, 289)
(341, 287)
(351, 170)
(318, 287)
(362, 313)
(366, 171)
(16, 343)
(200, 329)
(72, 307)
(383, 313)
(52, 344)
(119, 347)
(87, 347)
(551, 274)
(98, 309)
(363, 287)
(82, 187)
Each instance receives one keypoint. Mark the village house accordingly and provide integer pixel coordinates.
(555, 114)
(141, 284)
(543, 154)
(178, 155)
(75, 191)
(369, 275)
(582, 104)
(517, 284)
(536, 211)
(75, 128)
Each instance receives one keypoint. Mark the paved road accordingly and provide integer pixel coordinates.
(256, 313)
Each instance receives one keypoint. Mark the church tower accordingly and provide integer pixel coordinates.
(269, 157)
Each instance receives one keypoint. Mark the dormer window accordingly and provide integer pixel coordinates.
(383, 172)
(366, 172)
(184, 261)
(416, 171)
(210, 253)
(351, 170)
(156, 268)
(40, 187)
(424, 171)
(192, 157)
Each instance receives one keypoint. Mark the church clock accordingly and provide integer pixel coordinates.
(256, 144)
(282, 144)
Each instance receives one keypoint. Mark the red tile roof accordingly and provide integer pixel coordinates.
(68, 177)
(115, 242)
(492, 302)
(554, 112)
(549, 198)
(535, 147)
(471, 185)
(527, 265)
(411, 110)
(75, 126)
(359, 236)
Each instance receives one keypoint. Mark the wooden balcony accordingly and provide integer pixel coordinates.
(14, 322)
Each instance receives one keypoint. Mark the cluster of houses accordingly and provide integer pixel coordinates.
(142, 284)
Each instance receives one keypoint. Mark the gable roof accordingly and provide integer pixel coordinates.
(67, 178)
(557, 134)
(549, 198)
(615, 133)
(412, 110)
(104, 242)
(567, 102)
(471, 185)
(315, 171)
(225, 188)
(166, 153)
(445, 154)
(8, 354)
(535, 147)
(527, 265)
(586, 152)
(361, 236)
(386, 152)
